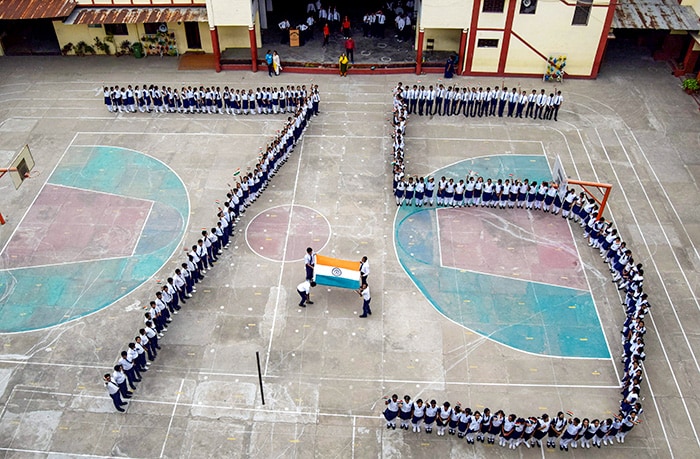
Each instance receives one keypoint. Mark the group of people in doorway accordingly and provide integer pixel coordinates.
(203, 255)
(473, 102)
(600, 234)
(507, 429)
(210, 99)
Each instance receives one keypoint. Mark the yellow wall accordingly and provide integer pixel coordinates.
(486, 59)
(81, 32)
(446, 14)
(445, 39)
(578, 43)
(231, 12)
(233, 37)
(494, 20)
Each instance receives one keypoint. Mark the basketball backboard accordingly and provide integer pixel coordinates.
(21, 166)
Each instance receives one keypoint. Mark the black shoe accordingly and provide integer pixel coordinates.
(121, 410)
(302, 305)
(309, 302)
(126, 396)
(363, 316)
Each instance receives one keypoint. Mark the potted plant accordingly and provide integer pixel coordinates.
(691, 85)
(67, 48)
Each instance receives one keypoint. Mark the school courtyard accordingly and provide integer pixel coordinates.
(505, 309)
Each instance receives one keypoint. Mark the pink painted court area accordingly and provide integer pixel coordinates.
(271, 232)
(513, 243)
(71, 225)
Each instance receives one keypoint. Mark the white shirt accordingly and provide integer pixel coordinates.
(304, 287)
(365, 294)
(364, 268)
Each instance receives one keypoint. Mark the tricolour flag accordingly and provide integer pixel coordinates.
(337, 273)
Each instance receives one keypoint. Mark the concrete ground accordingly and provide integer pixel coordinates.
(324, 370)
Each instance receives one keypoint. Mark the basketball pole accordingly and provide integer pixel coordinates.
(4, 171)
(601, 202)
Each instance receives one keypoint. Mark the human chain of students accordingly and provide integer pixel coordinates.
(210, 99)
(511, 430)
(472, 102)
(600, 234)
(202, 256)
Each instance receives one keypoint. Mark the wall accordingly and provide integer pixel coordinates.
(445, 14)
(445, 39)
(578, 43)
(231, 12)
(486, 59)
(233, 37)
(81, 32)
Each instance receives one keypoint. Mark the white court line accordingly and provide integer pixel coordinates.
(352, 444)
(269, 209)
(39, 193)
(641, 233)
(668, 241)
(60, 185)
(172, 417)
(56, 454)
(658, 412)
(300, 146)
(145, 222)
(62, 263)
(663, 190)
(573, 238)
(254, 376)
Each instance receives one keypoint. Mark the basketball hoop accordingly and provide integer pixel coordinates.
(19, 169)
(561, 179)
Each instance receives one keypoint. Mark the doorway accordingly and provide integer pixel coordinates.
(194, 41)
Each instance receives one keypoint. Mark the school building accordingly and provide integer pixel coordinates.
(550, 38)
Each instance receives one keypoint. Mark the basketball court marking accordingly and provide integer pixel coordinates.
(256, 232)
(663, 284)
(68, 270)
(521, 166)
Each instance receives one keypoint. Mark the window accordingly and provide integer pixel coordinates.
(116, 29)
(582, 12)
(151, 28)
(528, 6)
(487, 43)
(494, 6)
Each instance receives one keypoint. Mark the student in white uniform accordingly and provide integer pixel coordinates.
(405, 411)
(431, 412)
(391, 411)
(418, 415)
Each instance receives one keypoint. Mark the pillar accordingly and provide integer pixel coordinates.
(419, 51)
(691, 57)
(462, 48)
(215, 47)
(253, 49)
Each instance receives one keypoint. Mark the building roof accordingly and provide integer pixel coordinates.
(35, 9)
(655, 14)
(131, 15)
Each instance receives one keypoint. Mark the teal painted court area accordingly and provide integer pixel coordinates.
(529, 314)
(107, 220)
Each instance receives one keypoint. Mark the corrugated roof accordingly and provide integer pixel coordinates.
(35, 9)
(655, 14)
(130, 15)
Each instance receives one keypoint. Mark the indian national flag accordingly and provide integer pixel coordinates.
(337, 273)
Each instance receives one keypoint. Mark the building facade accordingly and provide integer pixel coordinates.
(549, 38)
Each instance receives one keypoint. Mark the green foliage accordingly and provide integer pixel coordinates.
(67, 48)
(691, 84)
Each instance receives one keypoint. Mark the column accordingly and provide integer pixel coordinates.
(253, 49)
(419, 51)
(215, 47)
(462, 49)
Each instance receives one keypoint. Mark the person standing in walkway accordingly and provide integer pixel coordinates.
(343, 64)
(268, 60)
(309, 263)
(326, 35)
(350, 49)
(113, 391)
(276, 63)
(366, 298)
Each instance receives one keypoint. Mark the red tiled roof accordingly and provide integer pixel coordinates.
(35, 9)
(133, 15)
